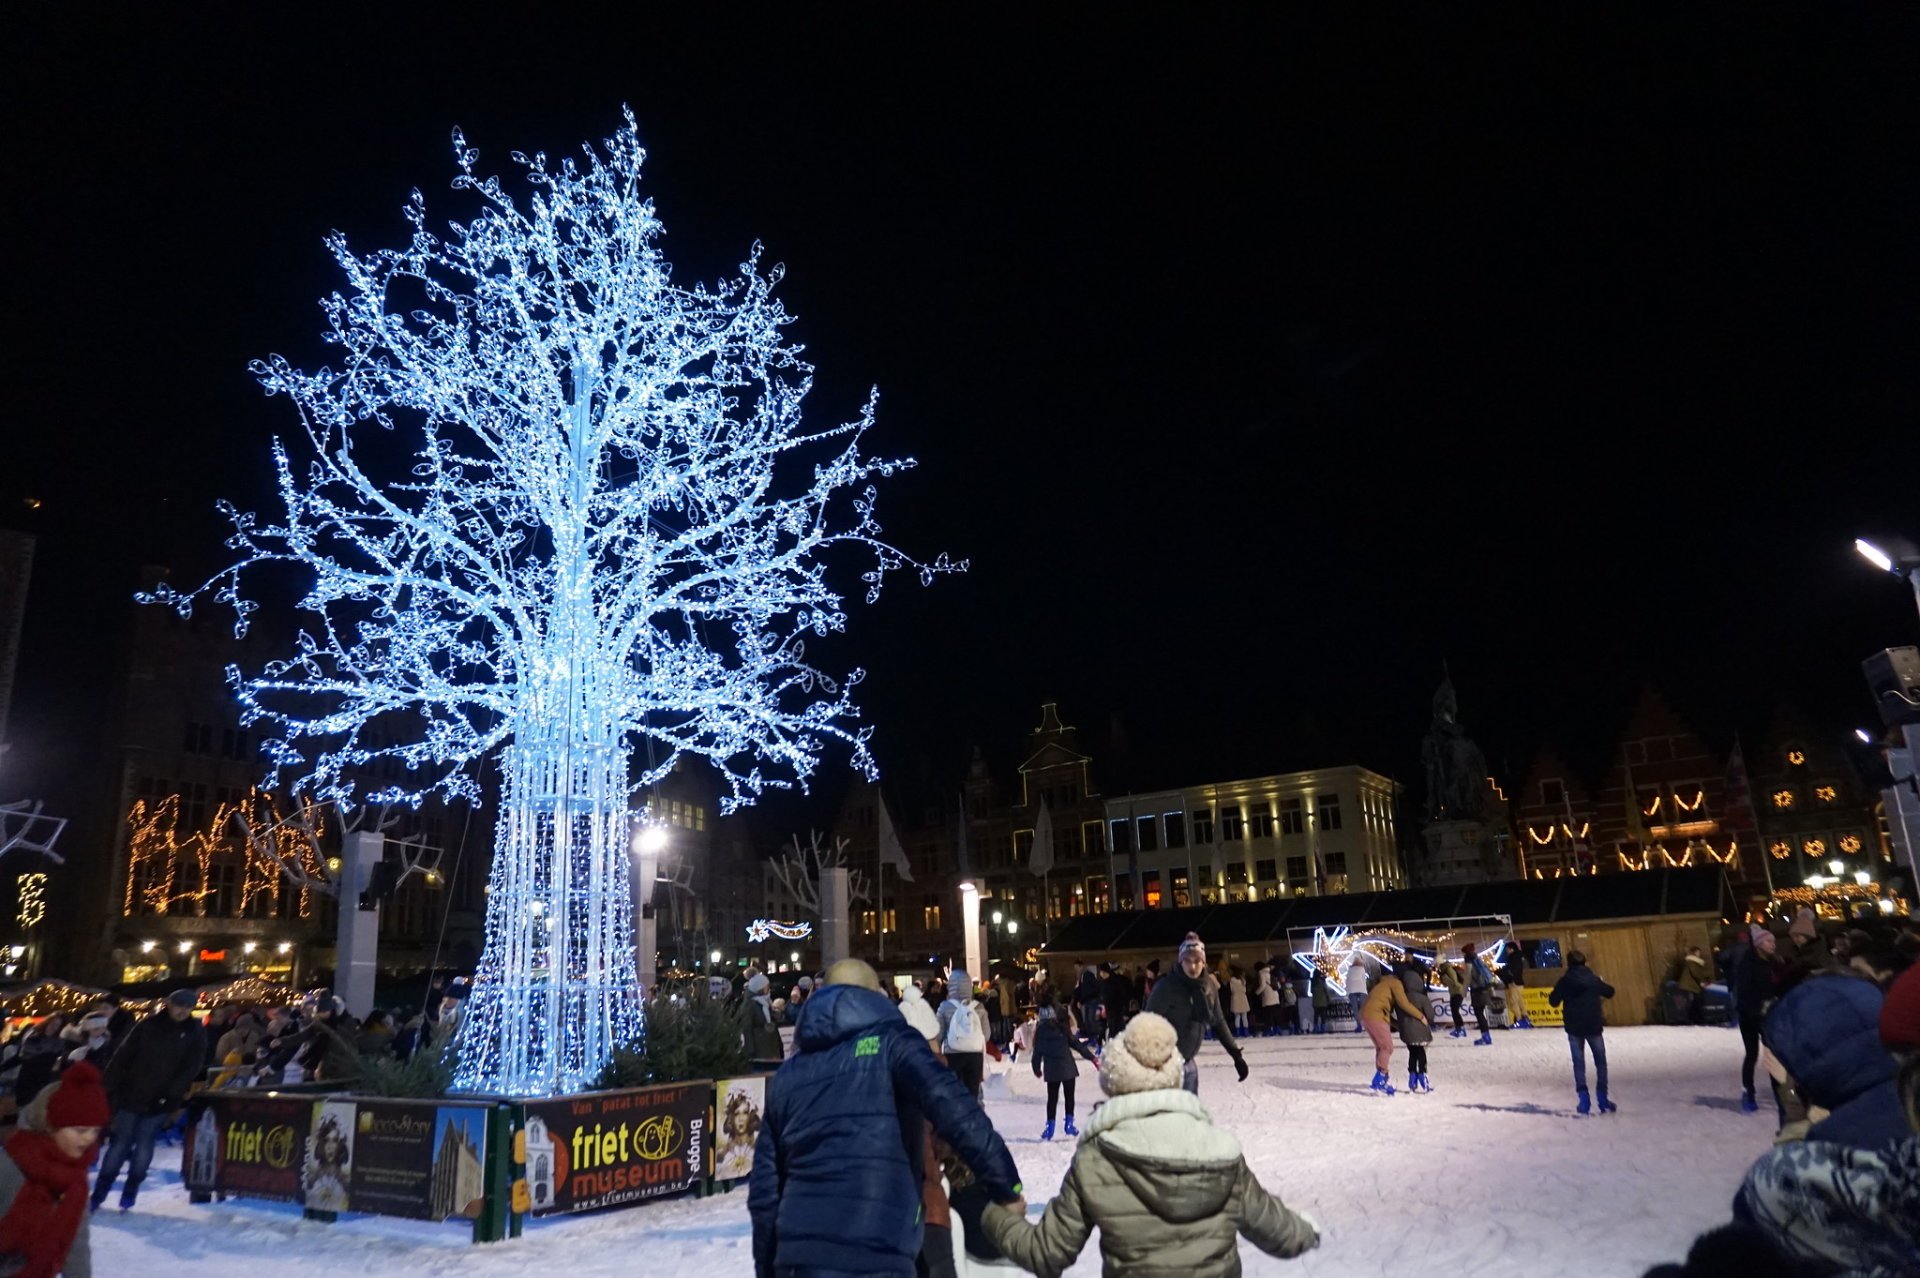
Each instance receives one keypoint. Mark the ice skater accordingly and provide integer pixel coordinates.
(1479, 981)
(1456, 991)
(1578, 995)
(1415, 1031)
(1388, 994)
(1054, 1046)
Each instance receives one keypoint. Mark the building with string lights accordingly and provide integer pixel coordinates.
(182, 893)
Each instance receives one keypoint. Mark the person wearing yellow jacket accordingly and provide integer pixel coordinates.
(1376, 1015)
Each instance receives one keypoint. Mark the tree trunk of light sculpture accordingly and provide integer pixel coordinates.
(613, 529)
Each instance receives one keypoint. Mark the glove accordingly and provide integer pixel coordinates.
(1240, 1067)
(1312, 1224)
(1036, 1069)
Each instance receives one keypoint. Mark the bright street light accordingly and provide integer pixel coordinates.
(249, 947)
(1013, 927)
(714, 957)
(966, 885)
(285, 947)
(1838, 867)
(1874, 555)
(146, 947)
(996, 918)
(1862, 877)
(794, 957)
(1866, 737)
(185, 946)
(651, 839)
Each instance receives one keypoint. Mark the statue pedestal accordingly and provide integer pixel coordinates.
(1461, 852)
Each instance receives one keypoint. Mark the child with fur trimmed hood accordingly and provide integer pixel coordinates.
(1169, 1191)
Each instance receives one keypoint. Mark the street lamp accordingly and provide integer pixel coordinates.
(1897, 556)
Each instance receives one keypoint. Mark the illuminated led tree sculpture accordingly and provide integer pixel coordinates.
(556, 505)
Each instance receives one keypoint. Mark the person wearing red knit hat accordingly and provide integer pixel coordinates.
(43, 1179)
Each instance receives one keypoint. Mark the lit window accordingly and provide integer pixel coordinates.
(1783, 799)
(1814, 847)
(1850, 843)
(1781, 849)
(1825, 793)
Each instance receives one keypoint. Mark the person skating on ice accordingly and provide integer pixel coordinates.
(1415, 1031)
(1479, 981)
(1185, 999)
(1578, 995)
(1388, 995)
(1054, 1047)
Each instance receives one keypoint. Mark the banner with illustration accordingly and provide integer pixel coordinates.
(393, 1158)
(255, 1145)
(607, 1148)
(738, 1104)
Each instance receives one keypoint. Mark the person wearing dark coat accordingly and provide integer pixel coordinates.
(146, 1081)
(1086, 1001)
(1416, 1031)
(1754, 979)
(1191, 1007)
(838, 1170)
(1054, 1046)
(1116, 991)
(1826, 1035)
(1577, 994)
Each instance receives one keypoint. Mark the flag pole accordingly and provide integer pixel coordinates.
(880, 870)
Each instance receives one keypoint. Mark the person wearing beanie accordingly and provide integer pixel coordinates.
(763, 1038)
(1834, 1207)
(963, 1022)
(1184, 1000)
(1755, 978)
(1825, 1033)
(836, 1187)
(147, 1080)
(1479, 987)
(914, 1010)
(1168, 1191)
(43, 1179)
(1578, 994)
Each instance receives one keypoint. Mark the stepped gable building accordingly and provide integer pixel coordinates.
(1554, 815)
(1664, 802)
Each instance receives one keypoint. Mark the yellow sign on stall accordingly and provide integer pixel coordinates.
(1539, 1011)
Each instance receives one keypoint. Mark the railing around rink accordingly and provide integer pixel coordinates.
(485, 1160)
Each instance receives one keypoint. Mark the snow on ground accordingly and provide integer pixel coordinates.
(1492, 1174)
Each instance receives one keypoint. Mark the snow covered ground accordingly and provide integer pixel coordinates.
(1492, 1174)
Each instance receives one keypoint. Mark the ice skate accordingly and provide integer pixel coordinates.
(1046, 1133)
(1747, 1104)
(1485, 1039)
(1075, 1131)
(1607, 1106)
(1586, 1105)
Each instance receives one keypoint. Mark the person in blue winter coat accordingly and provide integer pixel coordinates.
(1577, 994)
(1054, 1047)
(838, 1169)
(1826, 1034)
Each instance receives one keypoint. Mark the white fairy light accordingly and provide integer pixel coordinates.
(612, 530)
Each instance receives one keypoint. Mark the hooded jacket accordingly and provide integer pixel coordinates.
(1832, 1208)
(1578, 994)
(1826, 1033)
(154, 1067)
(914, 1009)
(1169, 1192)
(838, 1170)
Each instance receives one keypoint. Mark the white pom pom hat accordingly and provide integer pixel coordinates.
(1146, 1057)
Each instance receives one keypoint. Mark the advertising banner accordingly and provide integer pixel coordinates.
(254, 1145)
(738, 1104)
(421, 1161)
(607, 1148)
(1540, 1011)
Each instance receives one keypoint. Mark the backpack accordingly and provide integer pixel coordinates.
(963, 1030)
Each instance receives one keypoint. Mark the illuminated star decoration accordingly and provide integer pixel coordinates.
(1334, 953)
(606, 552)
(761, 929)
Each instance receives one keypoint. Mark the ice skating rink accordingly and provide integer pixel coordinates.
(1492, 1174)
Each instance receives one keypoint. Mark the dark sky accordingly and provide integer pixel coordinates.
(1257, 363)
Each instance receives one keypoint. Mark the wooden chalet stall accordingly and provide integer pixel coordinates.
(1631, 926)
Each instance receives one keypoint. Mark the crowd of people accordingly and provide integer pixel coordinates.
(102, 1087)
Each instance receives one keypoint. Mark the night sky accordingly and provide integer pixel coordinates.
(1257, 365)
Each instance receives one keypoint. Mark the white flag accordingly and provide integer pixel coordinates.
(1042, 859)
(891, 853)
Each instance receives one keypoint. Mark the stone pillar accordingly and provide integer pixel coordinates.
(646, 938)
(973, 936)
(357, 942)
(836, 930)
